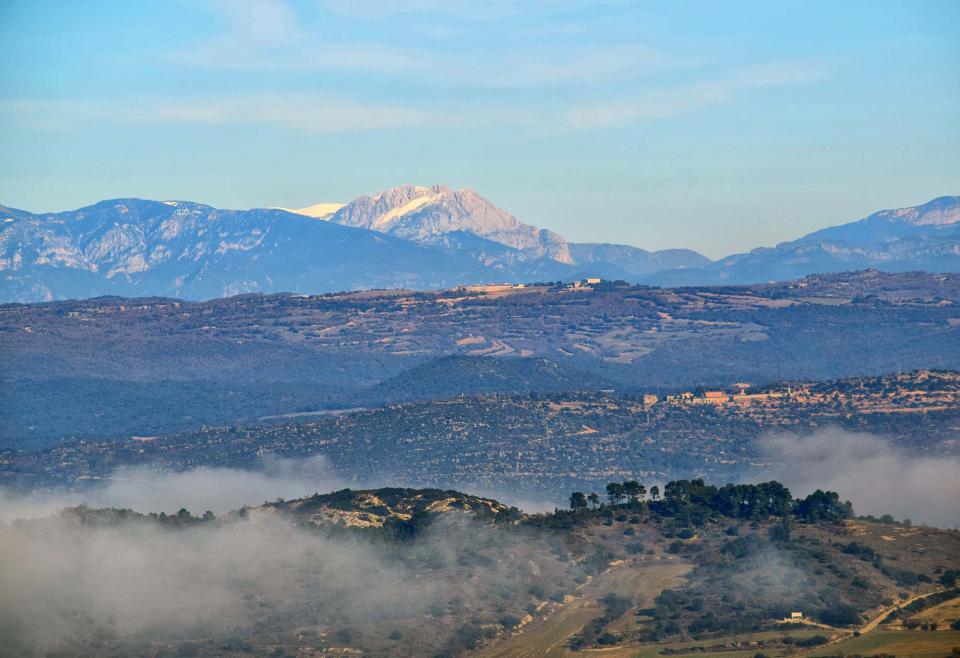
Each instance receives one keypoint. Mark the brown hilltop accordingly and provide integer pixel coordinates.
(375, 507)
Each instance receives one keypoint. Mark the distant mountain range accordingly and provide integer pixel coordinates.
(405, 237)
(925, 237)
(182, 249)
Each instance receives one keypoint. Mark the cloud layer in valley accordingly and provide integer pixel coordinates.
(198, 490)
(64, 581)
(876, 476)
(92, 578)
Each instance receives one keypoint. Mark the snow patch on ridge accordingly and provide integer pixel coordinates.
(384, 220)
(317, 210)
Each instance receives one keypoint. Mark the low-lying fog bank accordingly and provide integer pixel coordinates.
(874, 475)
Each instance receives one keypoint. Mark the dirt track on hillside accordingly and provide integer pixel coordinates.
(548, 638)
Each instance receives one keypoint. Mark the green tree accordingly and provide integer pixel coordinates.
(578, 502)
(655, 492)
(615, 493)
(594, 500)
(823, 506)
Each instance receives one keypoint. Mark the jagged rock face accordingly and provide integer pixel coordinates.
(112, 240)
(124, 236)
(942, 211)
(427, 214)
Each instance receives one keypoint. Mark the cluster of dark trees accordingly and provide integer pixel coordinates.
(618, 493)
(743, 501)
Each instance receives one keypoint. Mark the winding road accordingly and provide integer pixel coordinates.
(889, 610)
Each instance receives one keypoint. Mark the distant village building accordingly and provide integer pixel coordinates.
(649, 400)
(593, 280)
(715, 397)
(796, 616)
(747, 399)
(710, 397)
(490, 287)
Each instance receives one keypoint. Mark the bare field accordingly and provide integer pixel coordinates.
(942, 614)
(902, 644)
(548, 638)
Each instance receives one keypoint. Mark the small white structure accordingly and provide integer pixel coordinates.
(796, 616)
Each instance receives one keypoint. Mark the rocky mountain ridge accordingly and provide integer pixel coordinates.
(194, 251)
(924, 237)
(405, 237)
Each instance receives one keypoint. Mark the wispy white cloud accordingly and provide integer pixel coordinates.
(266, 35)
(309, 113)
(460, 9)
(294, 51)
(530, 69)
(320, 112)
(684, 99)
(578, 66)
(233, 52)
(269, 22)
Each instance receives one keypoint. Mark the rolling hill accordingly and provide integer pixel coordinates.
(426, 573)
(154, 365)
(473, 375)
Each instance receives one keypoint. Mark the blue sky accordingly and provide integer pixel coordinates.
(715, 126)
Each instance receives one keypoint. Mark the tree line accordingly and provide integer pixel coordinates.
(745, 501)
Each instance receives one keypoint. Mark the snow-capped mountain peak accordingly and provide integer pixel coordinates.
(427, 214)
